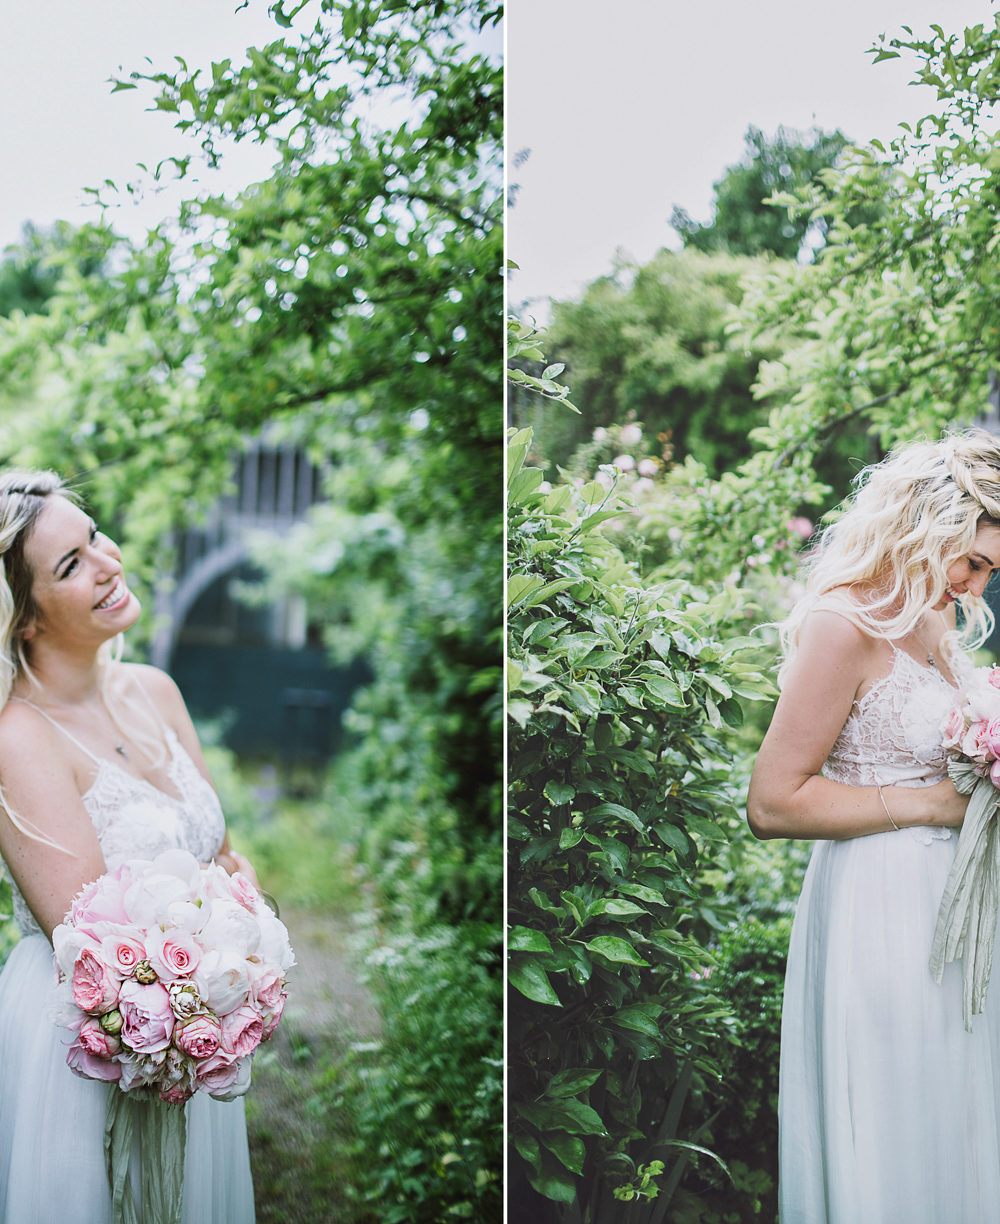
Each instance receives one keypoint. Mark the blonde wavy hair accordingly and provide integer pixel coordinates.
(23, 496)
(910, 518)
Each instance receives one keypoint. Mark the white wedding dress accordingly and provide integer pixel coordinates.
(889, 1110)
(52, 1167)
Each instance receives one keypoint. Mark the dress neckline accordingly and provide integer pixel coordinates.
(173, 743)
(897, 654)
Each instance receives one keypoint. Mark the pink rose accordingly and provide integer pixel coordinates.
(995, 773)
(242, 1031)
(95, 987)
(953, 728)
(272, 1017)
(96, 1041)
(172, 954)
(89, 1066)
(147, 1018)
(219, 1073)
(993, 677)
(122, 952)
(198, 1037)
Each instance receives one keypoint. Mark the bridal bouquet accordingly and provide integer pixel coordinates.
(967, 917)
(171, 974)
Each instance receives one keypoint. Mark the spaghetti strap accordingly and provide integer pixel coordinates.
(59, 727)
(165, 726)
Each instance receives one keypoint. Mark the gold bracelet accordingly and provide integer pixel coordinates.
(886, 807)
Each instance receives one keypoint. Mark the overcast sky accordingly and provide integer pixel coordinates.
(631, 107)
(62, 129)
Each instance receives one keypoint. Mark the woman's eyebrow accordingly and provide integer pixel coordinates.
(983, 557)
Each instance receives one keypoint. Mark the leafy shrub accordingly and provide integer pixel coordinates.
(620, 797)
(425, 1099)
(742, 1107)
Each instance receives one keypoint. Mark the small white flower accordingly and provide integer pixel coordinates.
(600, 433)
(648, 467)
(631, 434)
(624, 462)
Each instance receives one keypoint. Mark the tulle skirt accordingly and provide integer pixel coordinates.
(889, 1110)
(52, 1122)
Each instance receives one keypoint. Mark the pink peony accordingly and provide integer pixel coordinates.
(147, 1018)
(198, 1037)
(244, 892)
(96, 1041)
(266, 989)
(102, 900)
(90, 1066)
(95, 987)
(172, 954)
(953, 728)
(242, 1031)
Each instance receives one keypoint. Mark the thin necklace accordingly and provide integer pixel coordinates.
(930, 653)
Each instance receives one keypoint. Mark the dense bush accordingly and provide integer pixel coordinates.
(620, 798)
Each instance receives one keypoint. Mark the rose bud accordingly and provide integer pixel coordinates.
(145, 975)
(111, 1022)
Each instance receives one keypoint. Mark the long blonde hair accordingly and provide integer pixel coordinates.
(910, 518)
(23, 496)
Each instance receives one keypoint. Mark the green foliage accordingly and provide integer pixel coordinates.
(744, 220)
(618, 695)
(650, 343)
(426, 1098)
(897, 322)
(742, 1108)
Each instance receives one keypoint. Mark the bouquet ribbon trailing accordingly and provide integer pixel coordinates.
(159, 1129)
(967, 917)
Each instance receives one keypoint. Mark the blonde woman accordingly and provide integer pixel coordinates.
(99, 763)
(889, 1110)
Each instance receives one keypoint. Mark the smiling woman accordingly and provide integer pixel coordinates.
(99, 764)
(888, 1108)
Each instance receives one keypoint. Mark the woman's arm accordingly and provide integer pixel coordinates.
(788, 797)
(166, 696)
(41, 789)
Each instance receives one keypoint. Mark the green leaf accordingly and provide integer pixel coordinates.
(524, 939)
(571, 1082)
(553, 1180)
(665, 690)
(530, 1150)
(621, 813)
(533, 982)
(612, 948)
(569, 1149)
(568, 838)
(559, 793)
(638, 1020)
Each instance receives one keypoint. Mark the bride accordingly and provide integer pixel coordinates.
(888, 1109)
(99, 763)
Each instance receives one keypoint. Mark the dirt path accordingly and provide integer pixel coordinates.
(300, 1150)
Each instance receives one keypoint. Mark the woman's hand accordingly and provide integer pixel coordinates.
(945, 806)
(233, 862)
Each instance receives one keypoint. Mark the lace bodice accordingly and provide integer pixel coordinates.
(892, 736)
(135, 819)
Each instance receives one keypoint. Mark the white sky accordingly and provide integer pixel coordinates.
(62, 129)
(634, 106)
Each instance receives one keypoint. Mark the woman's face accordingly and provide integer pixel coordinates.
(971, 572)
(77, 580)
